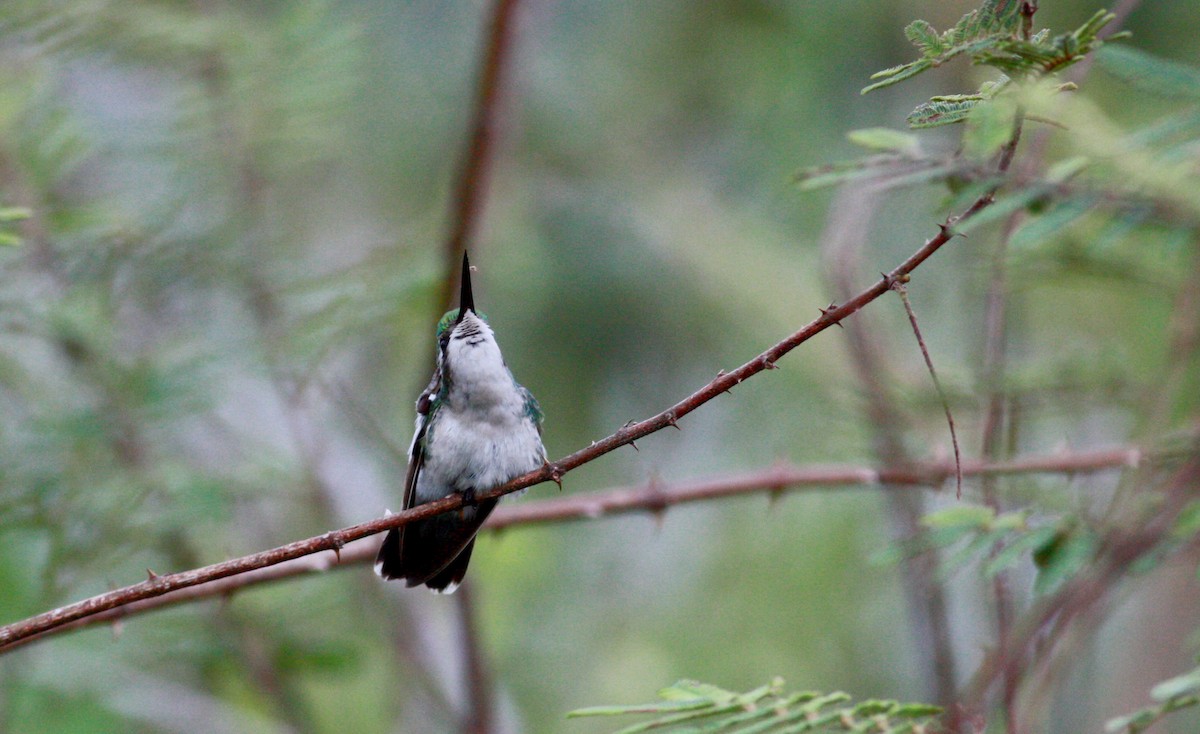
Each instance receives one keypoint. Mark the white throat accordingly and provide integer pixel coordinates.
(479, 379)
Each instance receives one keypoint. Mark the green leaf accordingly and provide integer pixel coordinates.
(1133, 722)
(748, 713)
(886, 139)
(1061, 559)
(14, 213)
(1010, 521)
(1178, 686)
(924, 37)
(897, 74)
(1149, 72)
(940, 111)
(915, 710)
(872, 707)
(969, 516)
(1011, 553)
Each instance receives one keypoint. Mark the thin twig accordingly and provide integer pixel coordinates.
(937, 384)
(648, 498)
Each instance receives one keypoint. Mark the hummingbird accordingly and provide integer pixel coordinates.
(476, 429)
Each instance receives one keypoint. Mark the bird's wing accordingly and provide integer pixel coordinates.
(533, 411)
(426, 404)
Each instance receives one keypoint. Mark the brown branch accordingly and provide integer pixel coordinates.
(995, 336)
(478, 717)
(471, 186)
(336, 539)
(652, 498)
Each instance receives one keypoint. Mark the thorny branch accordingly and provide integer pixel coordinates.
(335, 540)
(652, 498)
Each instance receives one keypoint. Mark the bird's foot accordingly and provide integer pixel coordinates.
(468, 497)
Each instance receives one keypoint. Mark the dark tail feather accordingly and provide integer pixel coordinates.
(387, 561)
(433, 552)
(448, 579)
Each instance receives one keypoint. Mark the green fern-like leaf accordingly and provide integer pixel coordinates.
(974, 33)
(945, 110)
(690, 706)
(925, 37)
(897, 74)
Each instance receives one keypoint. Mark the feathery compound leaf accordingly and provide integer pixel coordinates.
(925, 37)
(992, 36)
(897, 74)
(766, 709)
(940, 111)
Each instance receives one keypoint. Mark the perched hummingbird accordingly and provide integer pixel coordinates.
(476, 429)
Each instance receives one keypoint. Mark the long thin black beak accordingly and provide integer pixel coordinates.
(466, 301)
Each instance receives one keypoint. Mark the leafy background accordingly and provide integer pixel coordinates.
(221, 310)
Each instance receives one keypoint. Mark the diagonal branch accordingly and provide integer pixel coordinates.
(335, 540)
(654, 498)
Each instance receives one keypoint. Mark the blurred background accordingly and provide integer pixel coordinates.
(221, 312)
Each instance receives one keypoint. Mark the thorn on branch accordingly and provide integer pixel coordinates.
(949, 232)
(634, 445)
(669, 416)
(826, 311)
(336, 543)
(768, 363)
(151, 576)
(720, 374)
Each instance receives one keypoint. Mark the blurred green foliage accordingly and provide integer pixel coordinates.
(221, 308)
